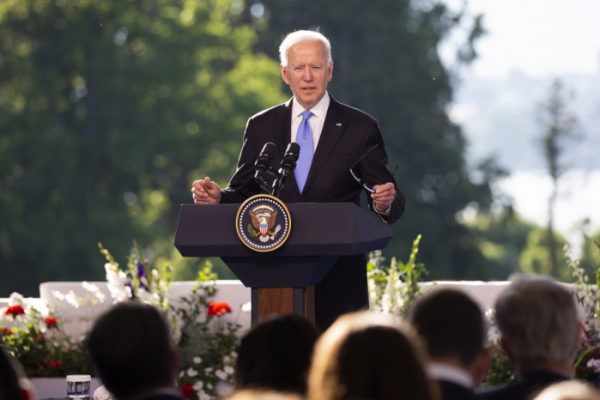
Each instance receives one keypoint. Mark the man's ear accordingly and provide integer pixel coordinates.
(330, 71)
(284, 74)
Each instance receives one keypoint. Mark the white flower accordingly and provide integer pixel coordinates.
(209, 386)
(228, 369)
(233, 354)
(72, 299)
(221, 374)
(116, 283)
(58, 295)
(198, 385)
(181, 374)
(226, 360)
(15, 299)
(197, 360)
(90, 287)
(208, 370)
(203, 396)
(493, 335)
(191, 372)
(223, 389)
(247, 307)
(595, 364)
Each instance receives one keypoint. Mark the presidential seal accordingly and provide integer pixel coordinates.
(263, 223)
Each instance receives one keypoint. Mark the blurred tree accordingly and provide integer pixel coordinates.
(535, 258)
(590, 255)
(558, 124)
(386, 63)
(501, 238)
(108, 111)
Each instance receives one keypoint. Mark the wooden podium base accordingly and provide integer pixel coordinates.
(279, 301)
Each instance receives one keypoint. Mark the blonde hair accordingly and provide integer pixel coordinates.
(369, 355)
(569, 390)
(302, 37)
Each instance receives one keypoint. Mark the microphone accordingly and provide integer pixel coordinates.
(288, 165)
(263, 163)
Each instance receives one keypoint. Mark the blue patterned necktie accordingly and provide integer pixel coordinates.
(304, 137)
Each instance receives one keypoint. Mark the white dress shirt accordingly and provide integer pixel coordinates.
(316, 121)
(450, 373)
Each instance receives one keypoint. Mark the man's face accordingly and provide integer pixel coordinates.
(307, 72)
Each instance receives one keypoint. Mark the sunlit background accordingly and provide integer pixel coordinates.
(109, 111)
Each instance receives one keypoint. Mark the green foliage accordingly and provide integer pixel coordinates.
(393, 289)
(108, 111)
(386, 63)
(501, 238)
(535, 258)
(500, 371)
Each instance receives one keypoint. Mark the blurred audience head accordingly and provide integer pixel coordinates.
(254, 394)
(569, 390)
(453, 327)
(369, 356)
(132, 349)
(276, 354)
(14, 384)
(537, 320)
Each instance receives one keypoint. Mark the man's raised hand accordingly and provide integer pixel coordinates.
(384, 195)
(206, 192)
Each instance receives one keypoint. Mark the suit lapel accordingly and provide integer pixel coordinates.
(335, 123)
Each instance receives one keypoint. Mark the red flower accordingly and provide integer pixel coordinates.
(55, 364)
(188, 391)
(215, 308)
(50, 322)
(14, 311)
(6, 331)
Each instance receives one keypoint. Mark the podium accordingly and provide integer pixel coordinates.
(282, 280)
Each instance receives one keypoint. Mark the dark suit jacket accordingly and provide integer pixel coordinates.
(454, 391)
(347, 134)
(526, 387)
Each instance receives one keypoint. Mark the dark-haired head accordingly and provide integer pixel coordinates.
(132, 349)
(276, 355)
(451, 323)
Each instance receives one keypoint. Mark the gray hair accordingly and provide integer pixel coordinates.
(537, 319)
(302, 37)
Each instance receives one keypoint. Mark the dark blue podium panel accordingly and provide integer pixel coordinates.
(318, 229)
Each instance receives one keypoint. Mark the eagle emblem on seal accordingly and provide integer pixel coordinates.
(263, 219)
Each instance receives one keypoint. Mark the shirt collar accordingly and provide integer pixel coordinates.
(449, 373)
(319, 110)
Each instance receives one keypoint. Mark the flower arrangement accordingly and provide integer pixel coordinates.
(207, 343)
(392, 289)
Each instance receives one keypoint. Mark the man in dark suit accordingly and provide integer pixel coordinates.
(333, 137)
(538, 325)
(453, 327)
(134, 354)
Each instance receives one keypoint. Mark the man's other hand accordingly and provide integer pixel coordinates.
(384, 195)
(206, 192)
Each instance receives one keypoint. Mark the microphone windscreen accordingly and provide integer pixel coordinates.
(270, 149)
(293, 150)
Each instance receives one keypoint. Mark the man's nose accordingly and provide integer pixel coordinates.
(308, 75)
